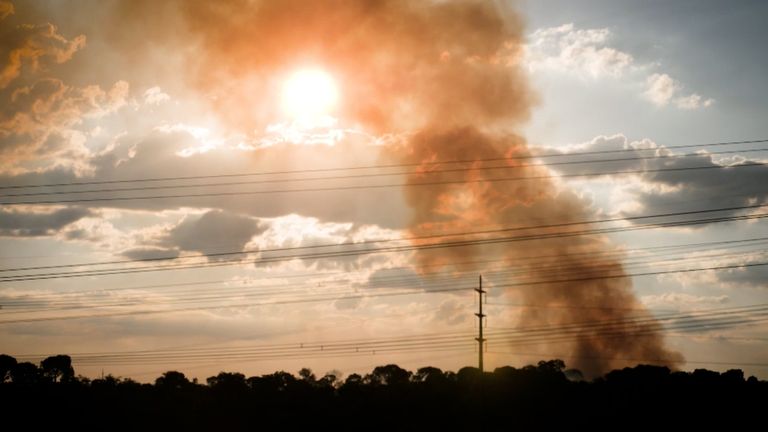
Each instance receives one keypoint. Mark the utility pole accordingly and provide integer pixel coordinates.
(480, 340)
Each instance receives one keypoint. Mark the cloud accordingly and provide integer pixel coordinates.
(676, 300)
(687, 187)
(580, 51)
(6, 9)
(393, 277)
(41, 115)
(630, 157)
(665, 182)
(406, 277)
(39, 122)
(34, 47)
(161, 154)
(755, 276)
(662, 90)
(144, 253)
(214, 231)
(295, 231)
(450, 312)
(586, 53)
(16, 223)
(693, 101)
(155, 96)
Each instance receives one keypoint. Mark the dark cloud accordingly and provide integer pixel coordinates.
(666, 182)
(720, 187)
(34, 224)
(756, 276)
(144, 253)
(214, 231)
(632, 156)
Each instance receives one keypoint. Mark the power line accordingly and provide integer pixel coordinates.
(33, 303)
(325, 255)
(600, 328)
(367, 242)
(361, 296)
(370, 175)
(300, 351)
(378, 186)
(632, 359)
(424, 163)
(45, 303)
(405, 279)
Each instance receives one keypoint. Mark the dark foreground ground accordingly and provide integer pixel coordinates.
(533, 397)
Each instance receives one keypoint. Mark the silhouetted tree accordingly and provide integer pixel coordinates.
(7, 363)
(25, 373)
(276, 382)
(330, 379)
(354, 379)
(307, 375)
(231, 382)
(468, 375)
(428, 375)
(107, 382)
(733, 376)
(573, 375)
(57, 368)
(172, 380)
(555, 367)
(388, 375)
(389, 396)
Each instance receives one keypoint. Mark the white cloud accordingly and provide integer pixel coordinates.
(155, 96)
(580, 51)
(693, 101)
(586, 53)
(682, 301)
(662, 90)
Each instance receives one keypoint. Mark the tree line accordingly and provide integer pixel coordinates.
(389, 397)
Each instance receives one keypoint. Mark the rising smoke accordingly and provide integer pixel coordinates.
(447, 79)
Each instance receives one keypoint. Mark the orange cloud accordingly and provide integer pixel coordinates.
(33, 45)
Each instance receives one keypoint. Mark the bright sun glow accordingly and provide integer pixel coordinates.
(309, 95)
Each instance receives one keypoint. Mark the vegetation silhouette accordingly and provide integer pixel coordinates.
(389, 397)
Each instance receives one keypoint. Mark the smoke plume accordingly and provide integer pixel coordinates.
(445, 78)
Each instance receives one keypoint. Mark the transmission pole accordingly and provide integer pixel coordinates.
(480, 340)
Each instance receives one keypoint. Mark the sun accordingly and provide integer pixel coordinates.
(309, 94)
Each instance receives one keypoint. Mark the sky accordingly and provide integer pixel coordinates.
(260, 186)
